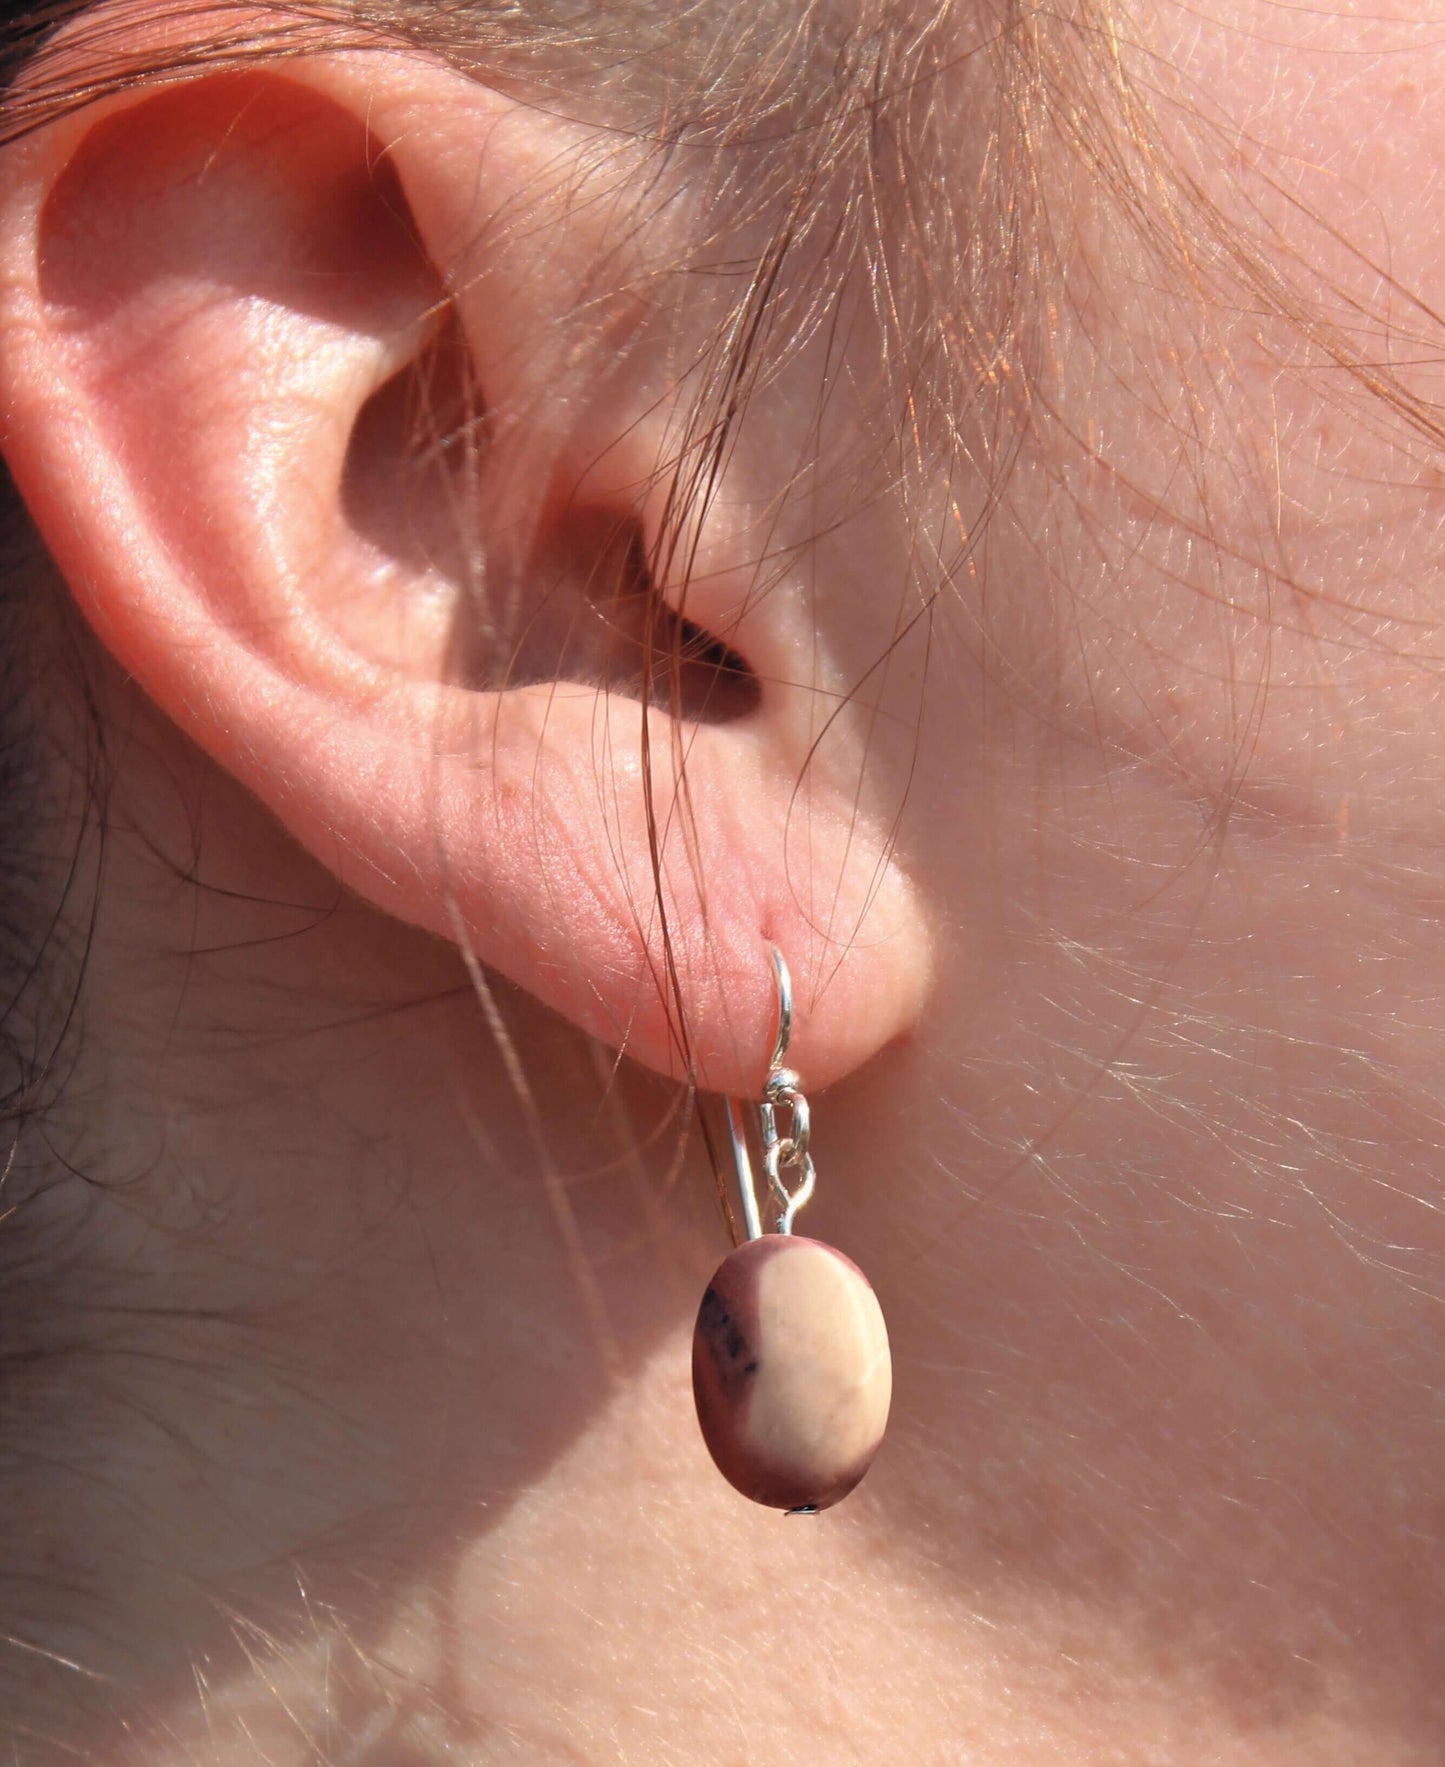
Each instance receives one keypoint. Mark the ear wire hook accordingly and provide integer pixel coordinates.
(781, 1090)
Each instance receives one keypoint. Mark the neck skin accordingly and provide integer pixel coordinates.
(371, 1437)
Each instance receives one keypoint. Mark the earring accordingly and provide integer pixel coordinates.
(790, 1364)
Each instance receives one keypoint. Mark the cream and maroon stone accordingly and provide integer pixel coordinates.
(791, 1372)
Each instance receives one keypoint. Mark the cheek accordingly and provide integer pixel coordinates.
(1201, 726)
(1220, 550)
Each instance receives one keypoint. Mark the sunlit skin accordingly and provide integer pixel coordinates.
(378, 1441)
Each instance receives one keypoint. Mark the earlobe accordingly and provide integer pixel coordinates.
(297, 394)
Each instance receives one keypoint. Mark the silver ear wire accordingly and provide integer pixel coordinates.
(743, 1165)
(781, 1091)
(785, 1009)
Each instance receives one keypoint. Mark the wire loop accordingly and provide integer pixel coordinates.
(782, 1091)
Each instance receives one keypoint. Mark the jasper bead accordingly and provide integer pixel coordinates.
(791, 1372)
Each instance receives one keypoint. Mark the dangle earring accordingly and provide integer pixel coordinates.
(790, 1364)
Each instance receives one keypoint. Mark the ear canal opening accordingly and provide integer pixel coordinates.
(628, 639)
(577, 602)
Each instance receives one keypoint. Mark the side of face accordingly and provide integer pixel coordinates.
(1084, 774)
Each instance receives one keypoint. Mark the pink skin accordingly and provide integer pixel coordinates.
(394, 1451)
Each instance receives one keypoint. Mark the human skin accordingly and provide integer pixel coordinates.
(377, 1438)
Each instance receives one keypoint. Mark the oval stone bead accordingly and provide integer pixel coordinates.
(791, 1372)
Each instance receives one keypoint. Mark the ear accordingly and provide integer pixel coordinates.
(337, 400)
